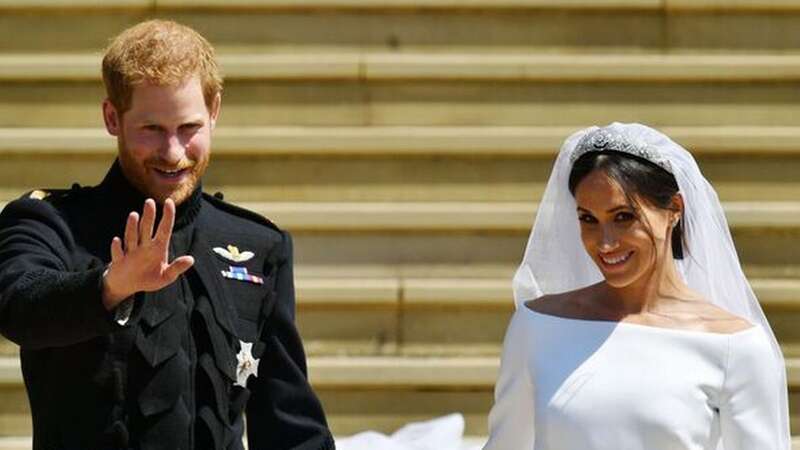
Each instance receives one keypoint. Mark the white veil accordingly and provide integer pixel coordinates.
(555, 260)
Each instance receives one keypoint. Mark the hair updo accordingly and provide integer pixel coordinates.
(639, 178)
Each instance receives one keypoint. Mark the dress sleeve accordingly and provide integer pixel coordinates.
(750, 404)
(511, 420)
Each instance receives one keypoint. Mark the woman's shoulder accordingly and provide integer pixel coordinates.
(752, 360)
(692, 313)
(575, 304)
(552, 304)
(705, 316)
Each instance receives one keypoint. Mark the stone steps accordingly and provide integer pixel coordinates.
(476, 232)
(473, 217)
(411, 164)
(517, 217)
(371, 393)
(460, 312)
(456, 316)
(451, 100)
(311, 272)
(404, 141)
(401, 25)
(450, 330)
(388, 66)
(416, 5)
(766, 233)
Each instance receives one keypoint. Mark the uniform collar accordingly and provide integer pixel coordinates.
(124, 198)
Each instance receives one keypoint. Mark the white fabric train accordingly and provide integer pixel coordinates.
(443, 433)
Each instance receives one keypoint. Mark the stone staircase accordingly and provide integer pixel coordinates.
(405, 144)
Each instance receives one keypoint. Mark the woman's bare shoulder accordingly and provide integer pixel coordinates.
(547, 304)
(712, 318)
(690, 313)
(571, 304)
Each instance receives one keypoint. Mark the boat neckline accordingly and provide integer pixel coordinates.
(616, 323)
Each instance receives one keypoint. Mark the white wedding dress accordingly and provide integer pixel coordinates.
(571, 384)
(443, 433)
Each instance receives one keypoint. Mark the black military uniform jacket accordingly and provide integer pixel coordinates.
(167, 378)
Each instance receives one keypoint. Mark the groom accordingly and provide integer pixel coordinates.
(151, 315)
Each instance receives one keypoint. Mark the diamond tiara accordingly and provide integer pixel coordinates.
(608, 139)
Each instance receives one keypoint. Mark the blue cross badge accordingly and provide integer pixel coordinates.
(240, 273)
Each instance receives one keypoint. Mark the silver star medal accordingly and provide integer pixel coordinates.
(247, 364)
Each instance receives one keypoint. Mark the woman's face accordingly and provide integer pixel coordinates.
(615, 235)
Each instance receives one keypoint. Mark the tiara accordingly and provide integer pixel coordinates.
(608, 139)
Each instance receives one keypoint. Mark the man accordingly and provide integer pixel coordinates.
(159, 330)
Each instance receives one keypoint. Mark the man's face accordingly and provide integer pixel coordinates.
(164, 139)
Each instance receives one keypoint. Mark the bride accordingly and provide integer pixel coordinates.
(635, 327)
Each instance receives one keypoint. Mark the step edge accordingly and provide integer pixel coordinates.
(481, 141)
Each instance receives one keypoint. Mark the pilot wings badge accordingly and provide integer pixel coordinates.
(232, 253)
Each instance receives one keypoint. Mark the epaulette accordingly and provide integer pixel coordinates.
(217, 201)
(42, 194)
(37, 194)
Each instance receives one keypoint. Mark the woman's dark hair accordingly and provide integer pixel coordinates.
(638, 177)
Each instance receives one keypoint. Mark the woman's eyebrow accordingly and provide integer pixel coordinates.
(612, 210)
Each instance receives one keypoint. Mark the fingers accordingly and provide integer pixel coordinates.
(167, 222)
(178, 267)
(148, 219)
(132, 232)
(116, 249)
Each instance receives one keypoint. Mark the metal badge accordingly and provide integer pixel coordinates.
(248, 365)
(232, 253)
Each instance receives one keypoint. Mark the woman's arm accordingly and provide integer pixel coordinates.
(511, 418)
(750, 416)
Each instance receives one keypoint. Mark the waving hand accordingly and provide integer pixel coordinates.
(143, 264)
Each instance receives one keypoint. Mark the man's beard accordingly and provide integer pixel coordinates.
(137, 175)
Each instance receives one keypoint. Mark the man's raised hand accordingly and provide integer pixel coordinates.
(143, 264)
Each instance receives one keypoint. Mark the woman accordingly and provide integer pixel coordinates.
(635, 327)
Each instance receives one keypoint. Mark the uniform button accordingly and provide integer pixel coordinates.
(219, 195)
(76, 186)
